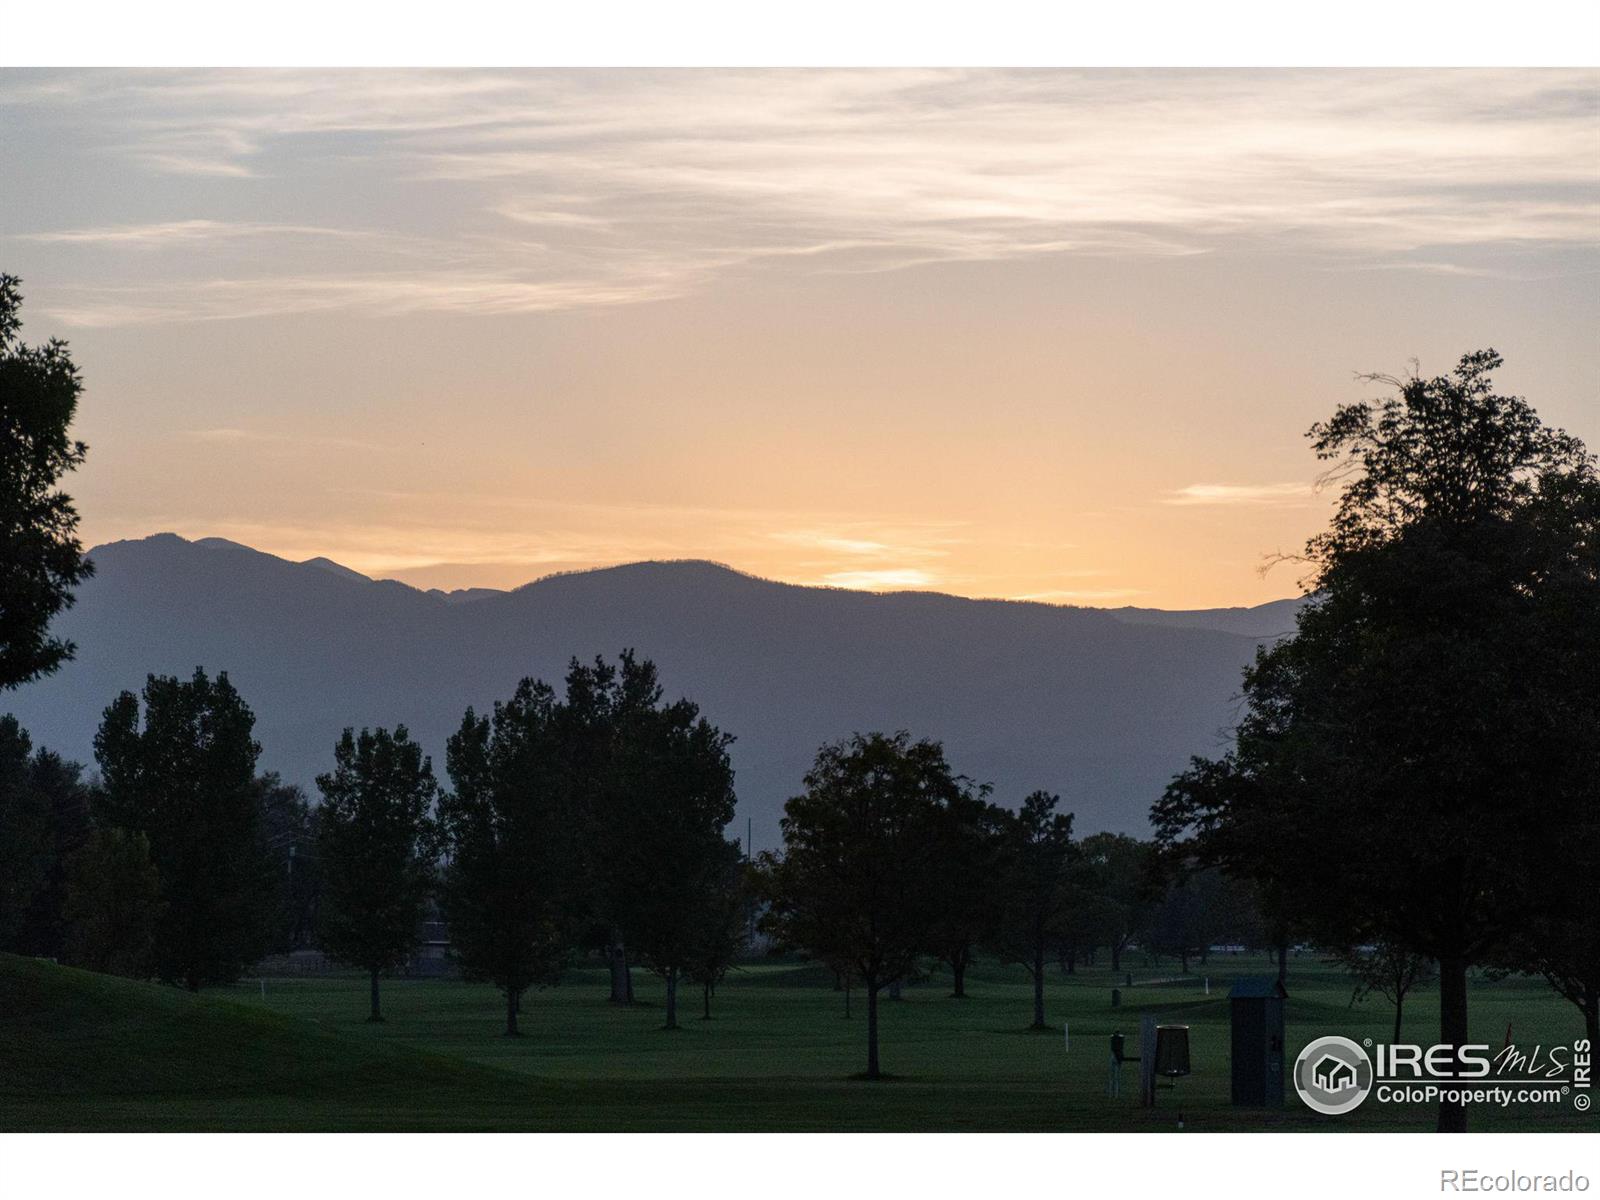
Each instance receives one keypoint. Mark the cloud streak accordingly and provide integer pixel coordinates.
(1234, 494)
(559, 190)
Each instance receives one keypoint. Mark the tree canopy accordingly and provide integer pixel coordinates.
(508, 876)
(1416, 765)
(376, 849)
(184, 776)
(1036, 857)
(41, 558)
(856, 881)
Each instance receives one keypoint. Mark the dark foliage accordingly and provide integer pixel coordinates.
(1417, 764)
(856, 881)
(185, 778)
(375, 850)
(41, 559)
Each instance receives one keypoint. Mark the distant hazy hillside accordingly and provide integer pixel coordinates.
(1263, 621)
(1099, 706)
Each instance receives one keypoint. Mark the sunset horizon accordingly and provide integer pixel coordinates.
(1050, 335)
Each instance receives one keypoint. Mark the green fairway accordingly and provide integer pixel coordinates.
(80, 1051)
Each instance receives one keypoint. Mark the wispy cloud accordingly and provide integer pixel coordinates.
(888, 579)
(865, 541)
(555, 190)
(1200, 494)
(183, 233)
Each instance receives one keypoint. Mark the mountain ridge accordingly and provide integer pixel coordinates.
(1101, 705)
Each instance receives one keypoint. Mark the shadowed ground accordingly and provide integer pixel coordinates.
(81, 1051)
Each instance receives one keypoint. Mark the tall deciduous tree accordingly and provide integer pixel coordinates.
(289, 835)
(965, 907)
(41, 559)
(508, 839)
(61, 782)
(855, 884)
(376, 850)
(44, 820)
(1037, 854)
(603, 702)
(184, 776)
(1405, 756)
(113, 908)
(26, 847)
(673, 796)
(721, 923)
(1120, 867)
(1390, 971)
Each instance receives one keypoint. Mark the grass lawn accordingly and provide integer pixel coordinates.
(79, 1051)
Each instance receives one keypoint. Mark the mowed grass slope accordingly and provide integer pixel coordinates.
(79, 1051)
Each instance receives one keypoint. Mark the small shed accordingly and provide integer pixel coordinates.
(1257, 1007)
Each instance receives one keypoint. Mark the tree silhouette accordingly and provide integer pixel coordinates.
(376, 849)
(1035, 863)
(965, 833)
(185, 778)
(508, 877)
(721, 920)
(289, 836)
(854, 887)
(672, 797)
(26, 851)
(113, 908)
(1120, 867)
(605, 705)
(1390, 971)
(1406, 757)
(41, 559)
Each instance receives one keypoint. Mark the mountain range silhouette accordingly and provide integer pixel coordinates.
(1100, 705)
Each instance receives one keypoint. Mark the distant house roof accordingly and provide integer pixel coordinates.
(1257, 987)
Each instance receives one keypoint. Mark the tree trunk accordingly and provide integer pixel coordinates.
(377, 1015)
(847, 1001)
(1038, 985)
(621, 982)
(672, 998)
(872, 1027)
(1183, 960)
(513, 1003)
(1116, 957)
(1072, 961)
(706, 1015)
(1452, 1029)
(959, 970)
(1399, 1008)
(1283, 963)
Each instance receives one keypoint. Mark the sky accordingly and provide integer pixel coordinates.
(1054, 335)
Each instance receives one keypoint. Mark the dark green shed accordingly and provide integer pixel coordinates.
(1256, 1005)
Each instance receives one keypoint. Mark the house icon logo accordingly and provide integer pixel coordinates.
(1333, 1075)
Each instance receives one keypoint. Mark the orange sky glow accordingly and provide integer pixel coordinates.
(1054, 335)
